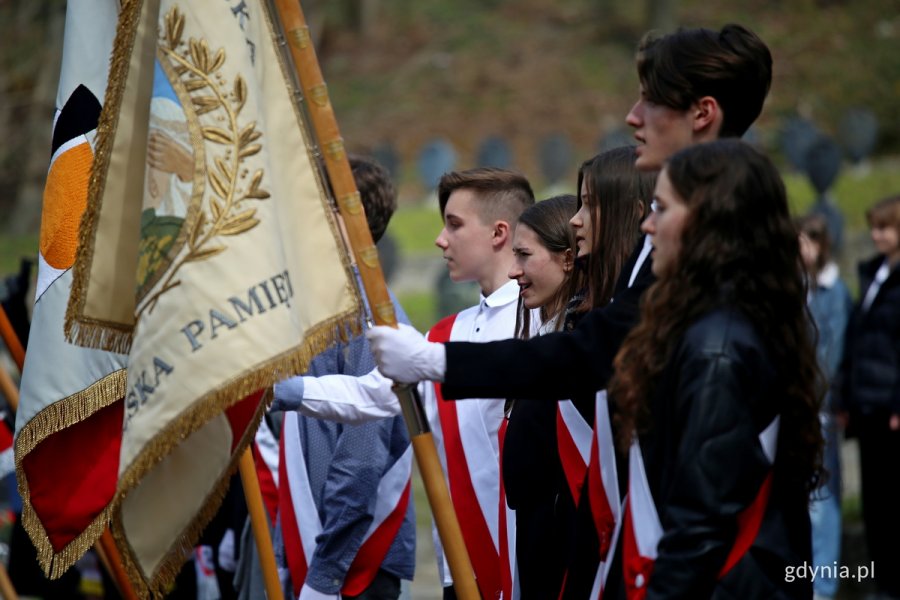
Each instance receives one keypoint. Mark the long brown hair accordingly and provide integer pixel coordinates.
(549, 219)
(619, 198)
(739, 249)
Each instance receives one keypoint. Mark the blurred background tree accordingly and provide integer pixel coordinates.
(515, 73)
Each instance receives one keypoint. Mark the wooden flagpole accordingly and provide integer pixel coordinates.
(12, 340)
(105, 548)
(259, 522)
(6, 586)
(328, 135)
(8, 389)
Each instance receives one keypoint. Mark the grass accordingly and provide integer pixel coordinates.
(15, 247)
(415, 226)
(855, 190)
(851, 508)
(420, 307)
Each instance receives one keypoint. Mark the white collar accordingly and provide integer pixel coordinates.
(506, 293)
(828, 276)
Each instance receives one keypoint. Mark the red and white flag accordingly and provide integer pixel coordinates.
(69, 420)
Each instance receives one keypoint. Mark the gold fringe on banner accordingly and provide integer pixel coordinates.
(54, 418)
(318, 338)
(81, 330)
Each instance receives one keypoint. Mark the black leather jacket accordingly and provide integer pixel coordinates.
(705, 465)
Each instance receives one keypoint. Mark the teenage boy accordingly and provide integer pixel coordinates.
(480, 208)
(347, 520)
(695, 85)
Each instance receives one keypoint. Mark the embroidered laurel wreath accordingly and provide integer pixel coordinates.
(226, 212)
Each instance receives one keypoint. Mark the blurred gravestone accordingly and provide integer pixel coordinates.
(454, 297)
(436, 158)
(555, 157)
(616, 138)
(494, 152)
(387, 157)
(858, 133)
(797, 135)
(823, 164)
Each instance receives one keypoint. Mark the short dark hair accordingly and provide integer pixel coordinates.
(732, 65)
(502, 194)
(376, 192)
(885, 213)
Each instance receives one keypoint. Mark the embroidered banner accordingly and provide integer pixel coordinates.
(209, 253)
(70, 412)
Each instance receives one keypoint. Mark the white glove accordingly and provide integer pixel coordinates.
(307, 593)
(404, 355)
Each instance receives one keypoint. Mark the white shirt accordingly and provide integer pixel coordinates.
(494, 318)
(880, 276)
(368, 397)
(359, 399)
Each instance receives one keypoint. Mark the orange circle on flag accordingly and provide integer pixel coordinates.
(65, 198)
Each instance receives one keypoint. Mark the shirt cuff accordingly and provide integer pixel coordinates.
(288, 394)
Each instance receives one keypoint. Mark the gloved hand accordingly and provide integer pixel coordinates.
(288, 394)
(404, 355)
(307, 593)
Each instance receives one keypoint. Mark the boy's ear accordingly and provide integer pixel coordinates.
(707, 118)
(500, 234)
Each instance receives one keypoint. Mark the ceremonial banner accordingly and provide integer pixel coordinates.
(209, 252)
(69, 418)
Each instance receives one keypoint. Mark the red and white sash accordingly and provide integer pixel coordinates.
(643, 529)
(265, 457)
(573, 439)
(603, 490)
(466, 450)
(300, 517)
(597, 460)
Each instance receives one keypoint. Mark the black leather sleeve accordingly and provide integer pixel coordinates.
(719, 465)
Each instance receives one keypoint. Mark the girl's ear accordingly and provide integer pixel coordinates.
(568, 260)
